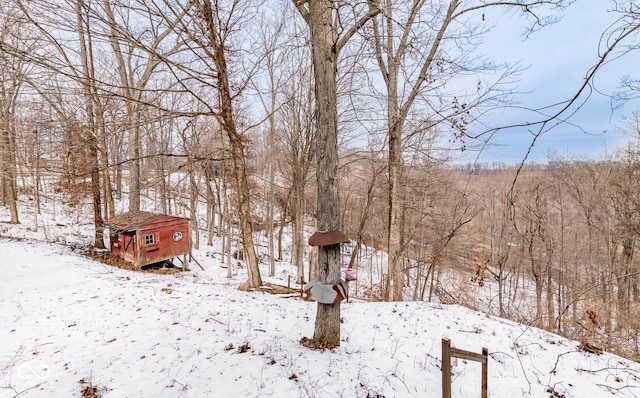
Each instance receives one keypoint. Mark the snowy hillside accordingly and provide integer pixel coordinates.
(68, 323)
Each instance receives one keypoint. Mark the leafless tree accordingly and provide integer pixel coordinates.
(329, 35)
(297, 138)
(419, 46)
(276, 87)
(12, 78)
(363, 179)
(215, 27)
(77, 64)
(136, 68)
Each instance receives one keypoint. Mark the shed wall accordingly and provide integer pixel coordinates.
(165, 246)
(161, 238)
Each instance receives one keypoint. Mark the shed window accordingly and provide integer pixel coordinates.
(149, 240)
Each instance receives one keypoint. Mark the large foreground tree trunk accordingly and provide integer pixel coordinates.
(327, 326)
(326, 45)
(323, 38)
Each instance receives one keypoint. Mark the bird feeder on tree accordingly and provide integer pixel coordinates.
(335, 292)
(328, 238)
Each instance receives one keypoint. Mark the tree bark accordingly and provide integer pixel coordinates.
(364, 216)
(89, 135)
(13, 74)
(8, 170)
(298, 228)
(325, 47)
(325, 57)
(236, 141)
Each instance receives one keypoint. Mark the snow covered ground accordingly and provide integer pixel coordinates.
(68, 322)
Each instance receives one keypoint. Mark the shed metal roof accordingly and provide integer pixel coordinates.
(132, 220)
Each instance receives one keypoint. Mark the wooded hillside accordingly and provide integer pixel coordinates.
(206, 109)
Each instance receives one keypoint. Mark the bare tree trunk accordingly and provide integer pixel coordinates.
(364, 216)
(394, 249)
(117, 160)
(244, 209)
(283, 220)
(270, 199)
(325, 57)
(298, 229)
(228, 236)
(220, 204)
(109, 204)
(103, 149)
(96, 191)
(134, 169)
(12, 76)
(325, 47)
(193, 207)
(162, 184)
(133, 127)
(211, 204)
(8, 170)
(236, 142)
(272, 64)
(90, 135)
(35, 163)
(132, 90)
(561, 321)
(313, 262)
(550, 324)
(298, 130)
(624, 278)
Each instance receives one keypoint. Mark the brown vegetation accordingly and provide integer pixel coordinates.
(554, 249)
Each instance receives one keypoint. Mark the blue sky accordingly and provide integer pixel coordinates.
(557, 59)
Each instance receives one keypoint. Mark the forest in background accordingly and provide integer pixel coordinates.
(211, 105)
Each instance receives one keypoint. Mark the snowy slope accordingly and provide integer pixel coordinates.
(67, 320)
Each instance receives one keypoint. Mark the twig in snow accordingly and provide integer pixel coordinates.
(555, 366)
(616, 389)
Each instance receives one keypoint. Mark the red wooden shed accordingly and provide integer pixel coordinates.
(143, 238)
